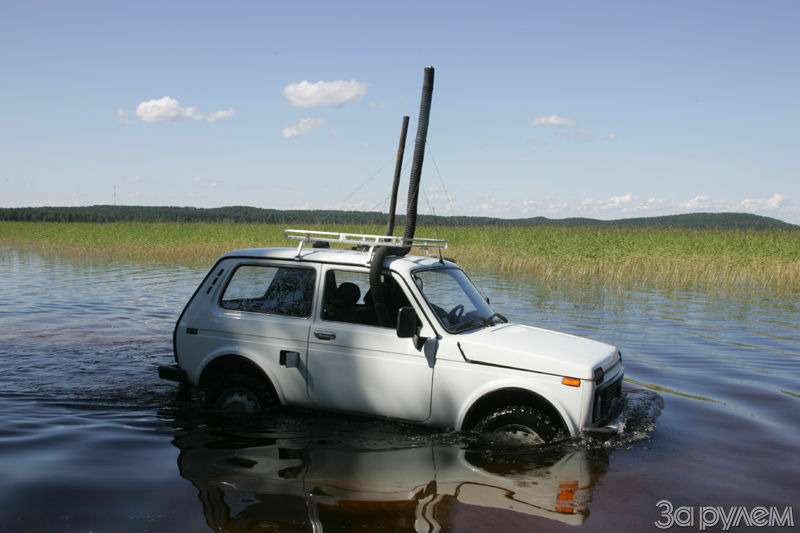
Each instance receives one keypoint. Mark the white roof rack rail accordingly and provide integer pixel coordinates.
(360, 239)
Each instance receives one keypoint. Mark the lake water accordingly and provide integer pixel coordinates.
(92, 440)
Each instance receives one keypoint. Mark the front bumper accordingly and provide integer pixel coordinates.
(613, 425)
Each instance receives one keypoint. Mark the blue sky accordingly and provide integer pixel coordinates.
(603, 109)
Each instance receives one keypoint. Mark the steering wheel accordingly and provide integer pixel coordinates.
(439, 311)
(455, 314)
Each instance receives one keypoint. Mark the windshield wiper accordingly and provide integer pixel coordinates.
(480, 322)
(469, 325)
(488, 321)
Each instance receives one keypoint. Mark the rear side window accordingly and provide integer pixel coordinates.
(273, 290)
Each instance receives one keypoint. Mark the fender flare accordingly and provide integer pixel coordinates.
(227, 351)
(495, 386)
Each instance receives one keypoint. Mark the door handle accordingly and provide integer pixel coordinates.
(289, 359)
(325, 335)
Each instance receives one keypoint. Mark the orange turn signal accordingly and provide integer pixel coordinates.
(565, 503)
(571, 382)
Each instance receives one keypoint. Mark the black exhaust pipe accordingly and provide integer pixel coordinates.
(419, 154)
(398, 168)
(377, 287)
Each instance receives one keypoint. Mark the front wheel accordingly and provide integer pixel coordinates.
(240, 394)
(520, 425)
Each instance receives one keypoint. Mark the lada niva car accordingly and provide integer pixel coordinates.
(298, 327)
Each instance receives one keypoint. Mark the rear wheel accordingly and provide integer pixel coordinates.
(240, 394)
(520, 425)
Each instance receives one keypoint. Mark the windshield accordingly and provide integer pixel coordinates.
(454, 299)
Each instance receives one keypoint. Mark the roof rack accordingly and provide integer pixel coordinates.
(360, 239)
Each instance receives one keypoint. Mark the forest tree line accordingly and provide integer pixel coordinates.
(243, 214)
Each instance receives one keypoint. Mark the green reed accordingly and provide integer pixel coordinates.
(614, 257)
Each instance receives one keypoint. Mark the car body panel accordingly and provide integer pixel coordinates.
(538, 350)
(258, 337)
(369, 369)
(458, 385)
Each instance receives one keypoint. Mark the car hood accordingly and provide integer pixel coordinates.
(537, 350)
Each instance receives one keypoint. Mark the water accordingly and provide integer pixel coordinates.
(91, 440)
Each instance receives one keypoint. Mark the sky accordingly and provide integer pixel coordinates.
(600, 109)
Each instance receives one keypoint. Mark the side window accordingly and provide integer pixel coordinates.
(273, 290)
(347, 297)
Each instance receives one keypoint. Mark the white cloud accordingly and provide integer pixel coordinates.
(219, 115)
(554, 120)
(614, 202)
(567, 129)
(544, 206)
(773, 202)
(491, 206)
(559, 207)
(701, 201)
(576, 135)
(303, 126)
(650, 204)
(122, 115)
(324, 93)
(167, 108)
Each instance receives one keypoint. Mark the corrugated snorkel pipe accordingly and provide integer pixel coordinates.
(398, 168)
(376, 268)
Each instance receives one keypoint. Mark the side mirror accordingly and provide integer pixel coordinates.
(406, 322)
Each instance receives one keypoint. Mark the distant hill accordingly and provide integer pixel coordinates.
(243, 214)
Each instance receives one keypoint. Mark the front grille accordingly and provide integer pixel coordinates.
(604, 400)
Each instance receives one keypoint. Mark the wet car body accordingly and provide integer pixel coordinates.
(316, 352)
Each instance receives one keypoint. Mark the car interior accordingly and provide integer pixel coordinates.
(349, 298)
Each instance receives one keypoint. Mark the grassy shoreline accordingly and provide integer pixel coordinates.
(702, 259)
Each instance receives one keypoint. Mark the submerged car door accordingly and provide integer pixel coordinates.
(355, 365)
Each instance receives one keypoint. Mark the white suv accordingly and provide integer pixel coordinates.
(298, 327)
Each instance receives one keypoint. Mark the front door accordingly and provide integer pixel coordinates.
(356, 365)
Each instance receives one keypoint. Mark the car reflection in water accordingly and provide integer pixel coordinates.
(248, 482)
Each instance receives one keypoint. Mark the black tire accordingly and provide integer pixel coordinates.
(521, 424)
(240, 394)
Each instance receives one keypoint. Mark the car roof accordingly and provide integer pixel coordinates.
(336, 256)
